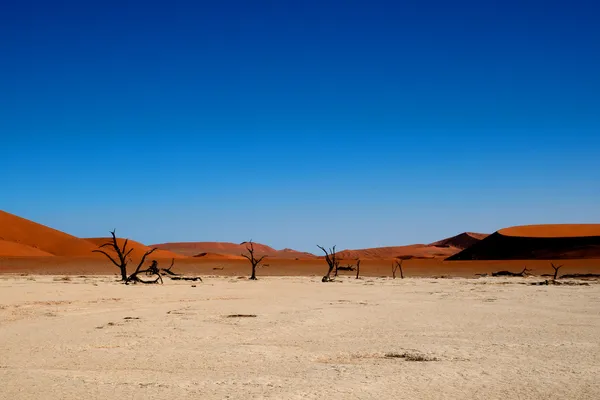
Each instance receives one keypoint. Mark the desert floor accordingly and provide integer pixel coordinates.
(489, 338)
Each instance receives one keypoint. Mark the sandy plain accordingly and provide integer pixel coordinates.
(70, 337)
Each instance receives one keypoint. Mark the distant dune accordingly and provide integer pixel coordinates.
(215, 256)
(26, 246)
(557, 230)
(537, 242)
(25, 232)
(461, 241)
(406, 252)
(225, 248)
(138, 249)
(440, 249)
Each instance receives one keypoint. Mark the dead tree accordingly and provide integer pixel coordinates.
(332, 262)
(508, 273)
(397, 266)
(122, 254)
(357, 267)
(253, 260)
(556, 268)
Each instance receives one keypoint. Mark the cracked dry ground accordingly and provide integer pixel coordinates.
(292, 338)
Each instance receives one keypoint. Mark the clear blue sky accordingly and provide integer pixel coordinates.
(356, 123)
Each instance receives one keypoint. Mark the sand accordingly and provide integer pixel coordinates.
(552, 230)
(25, 232)
(14, 249)
(461, 241)
(411, 251)
(89, 337)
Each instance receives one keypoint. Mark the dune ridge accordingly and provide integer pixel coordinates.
(25, 232)
(552, 230)
(558, 242)
(461, 241)
(389, 252)
(226, 248)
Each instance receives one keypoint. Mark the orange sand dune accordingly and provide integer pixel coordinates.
(20, 250)
(461, 241)
(138, 249)
(537, 242)
(28, 233)
(440, 249)
(215, 256)
(557, 230)
(411, 251)
(194, 248)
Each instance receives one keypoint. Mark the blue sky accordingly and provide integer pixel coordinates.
(356, 123)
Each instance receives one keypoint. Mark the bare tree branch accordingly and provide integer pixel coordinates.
(107, 255)
(330, 258)
(556, 268)
(397, 266)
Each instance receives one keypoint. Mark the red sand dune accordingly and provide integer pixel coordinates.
(461, 241)
(411, 251)
(138, 249)
(537, 242)
(440, 249)
(25, 232)
(215, 256)
(194, 248)
(557, 230)
(13, 249)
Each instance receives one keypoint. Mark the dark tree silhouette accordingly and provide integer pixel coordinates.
(332, 262)
(556, 268)
(357, 267)
(253, 260)
(122, 254)
(397, 266)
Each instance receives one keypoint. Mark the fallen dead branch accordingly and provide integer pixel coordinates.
(186, 278)
(508, 273)
(241, 316)
(580, 276)
(411, 356)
